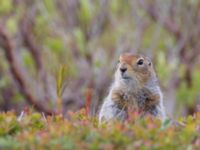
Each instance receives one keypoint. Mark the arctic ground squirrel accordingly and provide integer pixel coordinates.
(135, 86)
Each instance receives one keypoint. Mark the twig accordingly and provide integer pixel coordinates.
(26, 31)
(34, 48)
(170, 25)
(16, 71)
(43, 115)
(20, 117)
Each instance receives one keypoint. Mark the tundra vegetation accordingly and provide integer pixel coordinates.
(57, 63)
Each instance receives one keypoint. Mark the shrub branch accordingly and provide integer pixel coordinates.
(19, 77)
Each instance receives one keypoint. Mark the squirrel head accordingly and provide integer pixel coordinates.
(136, 68)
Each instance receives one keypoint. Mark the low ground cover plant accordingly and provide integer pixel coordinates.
(79, 131)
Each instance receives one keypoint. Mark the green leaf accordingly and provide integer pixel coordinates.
(166, 124)
(6, 6)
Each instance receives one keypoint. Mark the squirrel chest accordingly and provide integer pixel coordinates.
(140, 100)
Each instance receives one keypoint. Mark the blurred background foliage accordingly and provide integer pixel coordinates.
(57, 55)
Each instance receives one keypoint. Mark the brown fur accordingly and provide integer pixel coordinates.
(135, 88)
(126, 99)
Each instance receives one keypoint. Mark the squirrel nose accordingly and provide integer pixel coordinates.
(123, 70)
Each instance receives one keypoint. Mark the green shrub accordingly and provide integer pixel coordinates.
(80, 131)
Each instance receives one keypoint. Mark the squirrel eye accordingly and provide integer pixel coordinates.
(140, 62)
